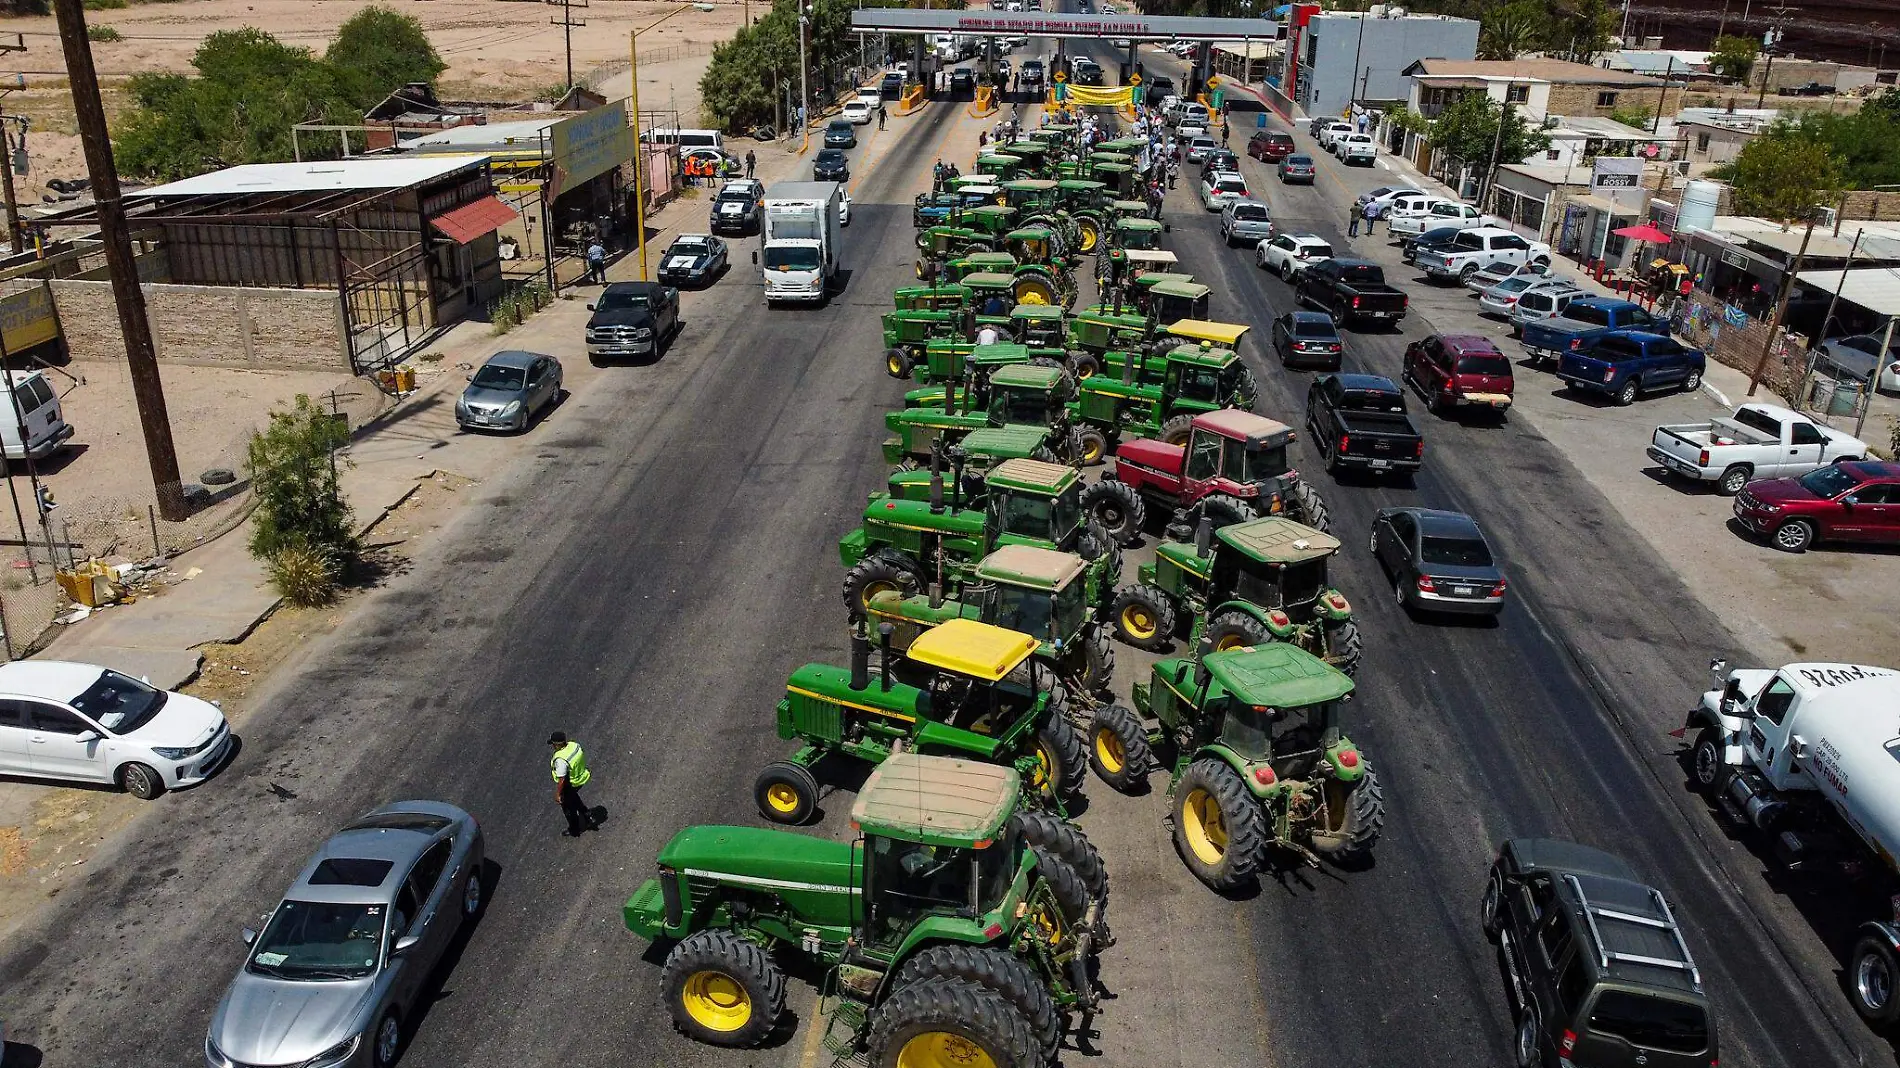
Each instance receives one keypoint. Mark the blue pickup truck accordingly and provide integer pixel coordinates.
(1625, 363)
(1580, 324)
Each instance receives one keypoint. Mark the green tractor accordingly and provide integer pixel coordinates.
(1248, 583)
(1035, 160)
(1192, 379)
(1258, 760)
(908, 335)
(1086, 201)
(1039, 326)
(1018, 394)
(1043, 281)
(948, 296)
(979, 698)
(953, 930)
(1003, 166)
(1128, 208)
(1118, 175)
(1039, 200)
(902, 541)
(965, 230)
(950, 359)
(1170, 297)
(1132, 232)
(1038, 592)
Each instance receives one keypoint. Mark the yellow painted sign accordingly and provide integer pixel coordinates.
(1134, 79)
(1061, 77)
(27, 319)
(590, 144)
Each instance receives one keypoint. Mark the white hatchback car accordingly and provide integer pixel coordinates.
(1288, 254)
(85, 723)
(1222, 188)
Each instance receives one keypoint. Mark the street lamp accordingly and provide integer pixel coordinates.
(639, 170)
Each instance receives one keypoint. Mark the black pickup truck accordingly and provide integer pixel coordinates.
(1359, 422)
(1352, 290)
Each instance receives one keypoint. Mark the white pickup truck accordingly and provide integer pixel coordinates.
(1478, 248)
(1353, 148)
(1758, 441)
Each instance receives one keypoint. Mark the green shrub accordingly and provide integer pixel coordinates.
(103, 34)
(300, 505)
(305, 577)
(105, 5)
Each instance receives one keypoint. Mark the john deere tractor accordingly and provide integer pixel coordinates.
(1135, 231)
(1017, 394)
(1155, 395)
(953, 929)
(978, 697)
(1247, 584)
(946, 360)
(1258, 761)
(1039, 326)
(1038, 592)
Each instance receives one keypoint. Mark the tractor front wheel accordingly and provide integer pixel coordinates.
(1224, 511)
(1311, 506)
(722, 990)
(786, 792)
(1357, 814)
(897, 362)
(1144, 617)
(1118, 749)
(1344, 647)
(1060, 759)
(872, 575)
(1219, 829)
(1176, 430)
(997, 971)
(949, 1023)
(1035, 287)
(1084, 364)
(1054, 835)
(1093, 447)
(1118, 508)
(1235, 629)
(1098, 659)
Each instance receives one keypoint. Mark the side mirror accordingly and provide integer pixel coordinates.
(1798, 748)
(590, 307)
(86, 736)
(249, 935)
(468, 378)
(404, 945)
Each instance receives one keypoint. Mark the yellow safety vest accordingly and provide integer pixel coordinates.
(576, 764)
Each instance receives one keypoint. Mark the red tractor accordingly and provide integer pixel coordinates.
(1232, 469)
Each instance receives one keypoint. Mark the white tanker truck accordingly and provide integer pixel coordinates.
(1810, 754)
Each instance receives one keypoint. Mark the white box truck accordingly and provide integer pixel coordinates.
(1806, 754)
(798, 246)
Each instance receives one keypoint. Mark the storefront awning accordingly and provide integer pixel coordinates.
(1607, 206)
(473, 220)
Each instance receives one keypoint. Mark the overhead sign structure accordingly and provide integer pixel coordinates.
(1039, 24)
(589, 144)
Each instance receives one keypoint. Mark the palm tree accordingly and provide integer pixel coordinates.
(1509, 31)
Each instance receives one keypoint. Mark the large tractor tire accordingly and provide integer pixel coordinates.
(1092, 447)
(1344, 647)
(1093, 542)
(1098, 659)
(722, 990)
(1061, 761)
(1118, 749)
(897, 362)
(1219, 829)
(1176, 430)
(950, 1023)
(1311, 507)
(873, 575)
(1143, 617)
(1064, 840)
(1358, 819)
(1234, 629)
(1246, 392)
(995, 970)
(1035, 287)
(1118, 508)
(1088, 234)
(1075, 451)
(1224, 511)
(786, 792)
(1084, 364)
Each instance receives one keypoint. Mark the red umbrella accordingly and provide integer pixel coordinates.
(1647, 233)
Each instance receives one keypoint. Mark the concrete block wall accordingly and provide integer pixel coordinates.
(256, 329)
(1582, 99)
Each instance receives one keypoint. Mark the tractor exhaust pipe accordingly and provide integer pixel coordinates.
(956, 478)
(1203, 536)
(884, 662)
(860, 657)
(936, 478)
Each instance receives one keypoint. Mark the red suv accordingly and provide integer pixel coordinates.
(1858, 501)
(1270, 147)
(1450, 370)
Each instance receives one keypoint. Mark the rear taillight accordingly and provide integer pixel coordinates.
(1609, 374)
(1569, 1043)
(1355, 302)
(1498, 590)
(1702, 458)
(1344, 439)
(1576, 343)
(1426, 585)
(1418, 450)
(1509, 300)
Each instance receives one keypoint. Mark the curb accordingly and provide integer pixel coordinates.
(1720, 397)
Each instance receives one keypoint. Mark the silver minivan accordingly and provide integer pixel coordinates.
(32, 403)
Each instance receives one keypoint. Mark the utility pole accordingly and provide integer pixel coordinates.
(1781, 308)
(1662, 100)
(140, 356)
(6, 178)
(1497, 142)
(567, 23)
(804, 85)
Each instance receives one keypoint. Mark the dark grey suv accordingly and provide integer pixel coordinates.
(1600, 975)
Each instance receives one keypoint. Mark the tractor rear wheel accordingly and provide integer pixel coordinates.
(1176, 430)
(1224, 511)
(873, 575)
(1219, 829)
(1312, 507)
(995, 970)
(1092, 448)
(1098, 659)
(722, 990)
(1035, 287)
(1144, 617)
(1054, 835)
(1246, 390)
(1093, 542)
(1084, 364)
(1358, 817)
(1234, 629)
(949, 1023)
(1344, 647)
(1118, 749)
(1118, 508)
(786, 792)
(1061, 762)
(897, 362)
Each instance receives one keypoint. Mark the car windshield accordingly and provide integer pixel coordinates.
(1487, 364)
(794, 258)
(684, 247)
(495, 376)
(618, 299)
(119, 703)
(1244, 730)
(1829, 482)
(319, 940)
(1454, 551)
(1650, 1022)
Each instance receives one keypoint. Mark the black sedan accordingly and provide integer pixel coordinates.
(841, 134)
(830, 166)
(1308, 339)
(1297, 169)
(693, 259)
(1220, 160)
(1430, 241)
(1438, 561)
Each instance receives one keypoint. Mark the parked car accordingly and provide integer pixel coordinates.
(509, 391)
(1245, 222)
(1288, 254)
(1852, 359)
(1626, 363)
(693, 259)
(1359, 422)
(738, 208)
(72, 722)
(1543, 302)
(1452, 213)
(1598, 970)
(340, 970)
(1324, 132)
(891, 86)
(1380, 197)
(1498, 272)
(1220, 189)
(1582, 322)
(1220, 160)
(1408, 202)
(1198, 148)
(1297, 169)
(1480, 247)
(1459, 370)
(31, 402)
(1758, 441)
(632, 319)
(1308, 339)
(858, 111)
(830, 166)
(1350, 290)
(1270, 147)
(963, 81)
(1499, 299)
(1427, 243)
(1354, 148)
(840, 133)
(1437, 561)
(1840, 502)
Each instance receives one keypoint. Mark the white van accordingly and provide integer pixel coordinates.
(686, 139)
(38, 409)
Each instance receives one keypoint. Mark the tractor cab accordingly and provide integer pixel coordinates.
(1241, 454)
(1035, 503)
(1033, 155)
(1003, 166)
(1124, 145)
(987, 219)
(1274, 708)
(1029, 394)
(1038, 325)
(1274, 569)
(930, 298)
(1139, 233)
(1054, 134)
(994, 292)
(980, 452)
(1081, 194)
(975, 684)
(1033, 591)
(1117, 175)
(1100, 329)
(949, 240)
(1032, 194)
(906, 333)
(1207, 377)
(1129, 209)
(1169, 298)
(980, 262)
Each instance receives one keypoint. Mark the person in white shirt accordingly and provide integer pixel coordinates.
(987, 335)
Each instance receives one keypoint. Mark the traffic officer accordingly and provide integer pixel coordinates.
(569, 765)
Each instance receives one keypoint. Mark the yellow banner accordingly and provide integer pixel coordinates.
(1090, 96)
(27, 319)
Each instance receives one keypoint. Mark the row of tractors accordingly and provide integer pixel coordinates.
(984, 591)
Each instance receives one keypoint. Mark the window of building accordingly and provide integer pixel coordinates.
(1553, 154)
(1701, 142)
(1517, 94)
(1606, 100)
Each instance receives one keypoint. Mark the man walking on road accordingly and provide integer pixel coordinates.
(596, 262)
(1372, 217)
(750, 161)
(570, 774)
(1352, 222)
(880, 114)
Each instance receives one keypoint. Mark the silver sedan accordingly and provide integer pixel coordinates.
(341, 961)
